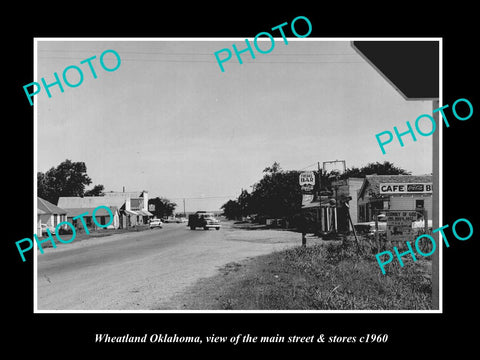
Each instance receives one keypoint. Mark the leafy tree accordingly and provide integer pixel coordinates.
(244, 203)
(96, 191)
(67, 179)
(231, 209)
(275, 168)
(277, 194)
(385, 168)
(163, 207)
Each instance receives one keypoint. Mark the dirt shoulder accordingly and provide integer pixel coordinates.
(319, 277)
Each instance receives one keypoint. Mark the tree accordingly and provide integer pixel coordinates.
(96, 191)
(275, 168)
(277, 194)
(163, 207)
(67, 179)
(385, 168)
(231, 209)
(244, 203)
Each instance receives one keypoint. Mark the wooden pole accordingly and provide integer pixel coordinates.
(353, 227)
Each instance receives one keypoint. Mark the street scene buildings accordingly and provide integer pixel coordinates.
(251, 152)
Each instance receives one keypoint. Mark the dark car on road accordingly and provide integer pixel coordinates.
(203, 219)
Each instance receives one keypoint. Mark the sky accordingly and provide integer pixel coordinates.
(169, 121)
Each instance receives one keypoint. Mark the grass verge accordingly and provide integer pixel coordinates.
(319, 277)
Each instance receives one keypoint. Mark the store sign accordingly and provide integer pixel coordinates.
(307, 181)
(151, 207)
(306, 199)
(405, 188)
(399, 225)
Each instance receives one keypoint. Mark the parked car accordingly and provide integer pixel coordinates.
(203, 219)
(420, 224)
(181, 220)
(155, 223)
(44, 228)
(170, 219)
(369, 227)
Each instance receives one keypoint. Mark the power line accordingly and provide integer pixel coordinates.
(214, 61)
(202, 54)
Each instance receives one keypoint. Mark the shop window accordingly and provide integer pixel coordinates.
(419, 204)
(361, 213)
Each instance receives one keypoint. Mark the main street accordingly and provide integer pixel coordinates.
(142, 270)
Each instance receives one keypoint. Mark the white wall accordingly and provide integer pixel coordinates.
(408, 202)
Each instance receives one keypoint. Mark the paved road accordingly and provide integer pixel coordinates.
(142, 270)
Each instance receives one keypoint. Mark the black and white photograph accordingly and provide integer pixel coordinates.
(224, 179)
(179, 187)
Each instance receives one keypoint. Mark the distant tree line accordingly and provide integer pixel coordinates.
(278, 194)
(162, 207)
(67, 179)
(70, 179)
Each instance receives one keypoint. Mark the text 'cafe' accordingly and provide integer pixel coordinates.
(394, 192)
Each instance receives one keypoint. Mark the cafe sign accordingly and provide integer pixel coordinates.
(405, 188)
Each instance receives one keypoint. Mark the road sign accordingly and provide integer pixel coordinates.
(307, 178)
(307, 181)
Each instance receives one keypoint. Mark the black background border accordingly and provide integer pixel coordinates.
(422, 332)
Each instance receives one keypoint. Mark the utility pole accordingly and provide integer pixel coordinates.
(184, 213)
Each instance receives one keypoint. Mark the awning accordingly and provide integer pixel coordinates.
(144, 213)
(316, 204)
(131, 212)
(74, 212)
(313, 204)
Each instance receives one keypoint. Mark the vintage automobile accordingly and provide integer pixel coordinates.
(368, 228)
(44, 228)
(203, 219)
(155, 223)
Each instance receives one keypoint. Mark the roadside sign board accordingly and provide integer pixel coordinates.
(406, 188)
(306, 199)
(307, 181)
(399, 225)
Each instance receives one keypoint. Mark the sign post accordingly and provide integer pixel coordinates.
(307, 184)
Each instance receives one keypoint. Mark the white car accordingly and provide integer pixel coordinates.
(156, 223)
(44, 228)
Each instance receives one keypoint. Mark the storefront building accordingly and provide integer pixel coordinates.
(394, 192)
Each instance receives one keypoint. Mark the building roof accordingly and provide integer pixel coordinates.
(125, 194)
(48, 207)
(73, 212)
(71, 202)
(374, 181)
